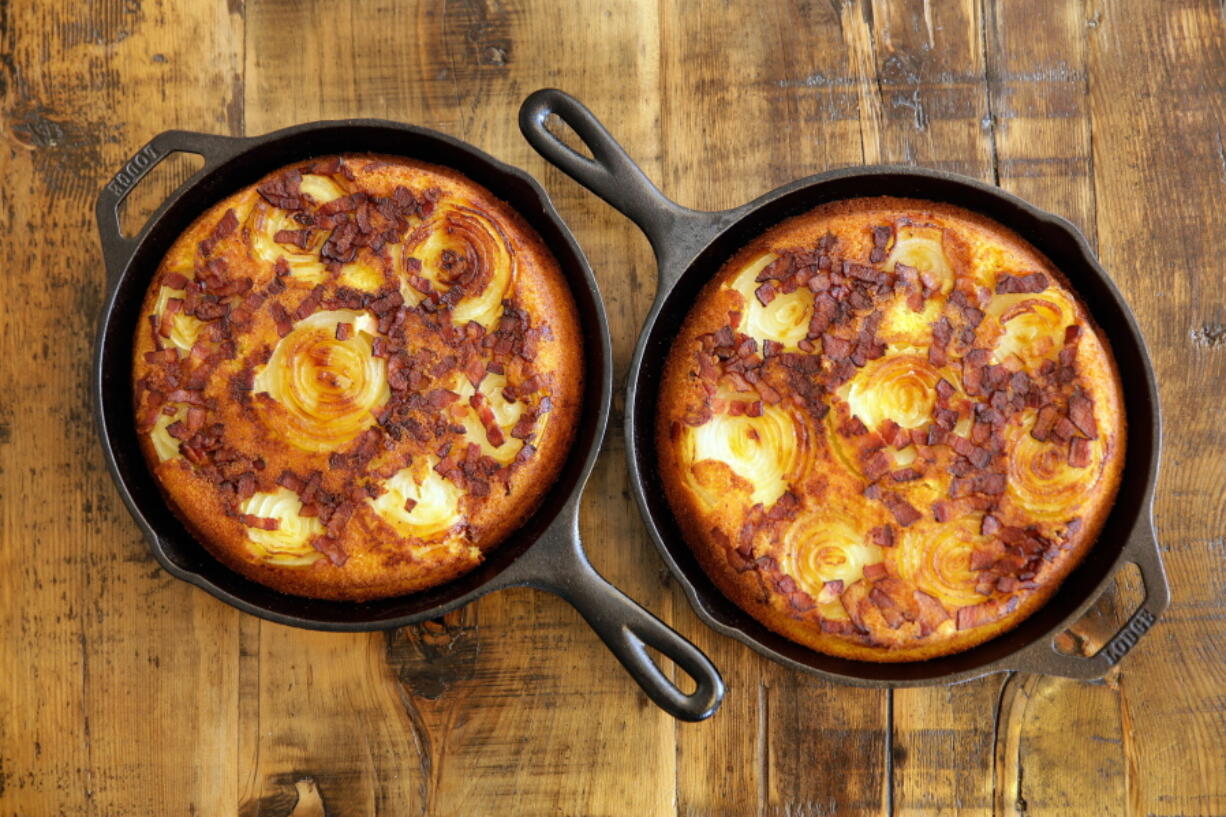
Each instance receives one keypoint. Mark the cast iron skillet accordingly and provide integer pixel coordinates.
(545, 553)
(690, 246)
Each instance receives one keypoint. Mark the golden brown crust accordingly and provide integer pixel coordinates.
(356, 376)
(928, 444)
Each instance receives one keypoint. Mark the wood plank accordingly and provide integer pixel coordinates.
(510, 700)
(1156, 95)
(110, 665)
(745, 109)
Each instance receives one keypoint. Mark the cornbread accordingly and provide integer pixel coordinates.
(889, 429)
(355, 377)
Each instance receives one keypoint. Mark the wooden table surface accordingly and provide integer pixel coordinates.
(126, 692)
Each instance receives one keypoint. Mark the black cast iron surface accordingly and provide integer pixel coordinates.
(690, 247)
(545, 553)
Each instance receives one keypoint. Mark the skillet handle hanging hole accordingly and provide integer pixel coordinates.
(113, 216)
(1142, 552)
(609, 172)
(558, 564)
(632, 634)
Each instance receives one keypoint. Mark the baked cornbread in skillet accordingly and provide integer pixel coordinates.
(889, 429)
(356, 376)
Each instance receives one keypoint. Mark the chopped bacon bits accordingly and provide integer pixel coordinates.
(975, 615)
(1044, 423)
(1081, 413)
(875, 572)
(877, 465)
(882, 536)
(259, 522)
(1079, 453)
(1016, 284)
(904, 512)
(298, 238)
(765, 293)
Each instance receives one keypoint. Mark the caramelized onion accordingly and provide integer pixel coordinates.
(822, 548)
(923, 246)
(432, 499)
(266, 221)
(325, 389)
(937, 559)
(506, 414)
(768, 451)
(1041, 481)
(290, 544)
(166, 446)
(1031, 327)
(184, 328)
(464, 247)
(785, 319)
(899, 387)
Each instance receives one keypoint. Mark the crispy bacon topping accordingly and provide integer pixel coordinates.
(1013, 284)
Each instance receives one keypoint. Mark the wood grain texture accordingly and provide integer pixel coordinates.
(127, 692)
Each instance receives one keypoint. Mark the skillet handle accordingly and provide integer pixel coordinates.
(117, 248)
(557, 563)
(676, 233)
(1141, 550)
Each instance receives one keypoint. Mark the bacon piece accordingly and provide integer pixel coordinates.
(1079, 452)
(189, 396)
(1064, 430)
(344, 331)
(166, 322)
(905, 475)
(174, 280)
(875, 572)
(1014, 284)
(989, 526)
(976, 615)
(854, 427)
(1044, 423)
(223, 228)
(765, 293)
(330, 547)
(835, 347)
(830, 591)
(991, 484)
(298, 238)
(904, 512)
(310, 303)
(260, 522)
(882, 536)
(1081, 413)
(169, 355)
(890, 611)
(523, 428)
(283, 191)
(931, 612)
(281, 318)
(935, 436)
(942, 511)
(876, 465)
